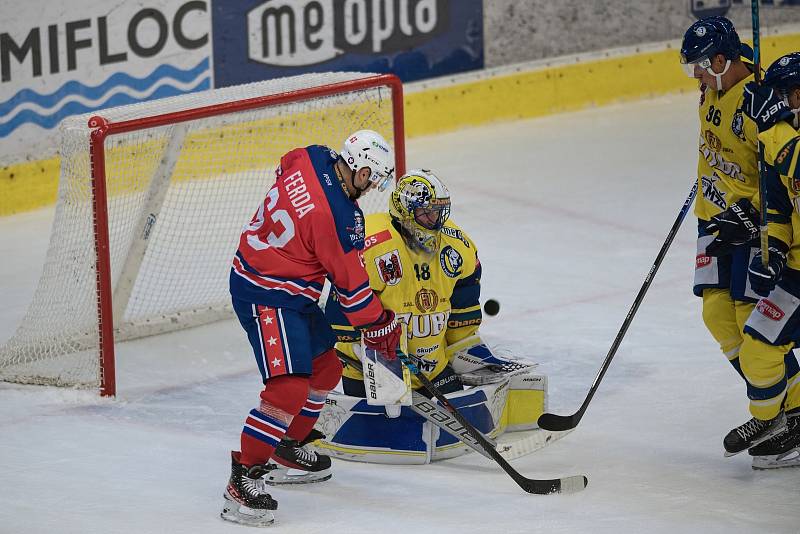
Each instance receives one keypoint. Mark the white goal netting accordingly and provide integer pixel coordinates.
(178, 196)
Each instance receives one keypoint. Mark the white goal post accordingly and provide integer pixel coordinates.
(152, 198)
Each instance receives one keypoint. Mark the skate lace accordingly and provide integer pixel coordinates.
(306, 456)
(750, 428)
(254, 486)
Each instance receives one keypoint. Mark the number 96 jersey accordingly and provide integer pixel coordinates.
(437, 295)
(727, 168)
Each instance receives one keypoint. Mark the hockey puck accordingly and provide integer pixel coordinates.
(491, 307)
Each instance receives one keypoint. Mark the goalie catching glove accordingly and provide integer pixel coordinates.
(736, 226)
(476, 364)
(383, 335)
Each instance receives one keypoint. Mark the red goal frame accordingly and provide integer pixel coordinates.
(102, 128)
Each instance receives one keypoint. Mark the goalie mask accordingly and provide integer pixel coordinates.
(420, 203)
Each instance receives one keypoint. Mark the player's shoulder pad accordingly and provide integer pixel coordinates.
(787, 155)
(379, 230)
(458, 256)
(452, 233)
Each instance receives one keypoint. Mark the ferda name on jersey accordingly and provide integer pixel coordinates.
(298, 193)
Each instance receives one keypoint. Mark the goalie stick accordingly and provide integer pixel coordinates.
(510, 450)
(550, 421)
(569, 484)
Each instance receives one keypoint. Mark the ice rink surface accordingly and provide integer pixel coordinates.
(568, 212)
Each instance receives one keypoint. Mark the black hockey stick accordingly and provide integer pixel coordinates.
(763, 231)
(550, 421)
(570, 484)
(428, 410)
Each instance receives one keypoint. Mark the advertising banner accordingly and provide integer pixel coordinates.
(415, 39)
(63, 58)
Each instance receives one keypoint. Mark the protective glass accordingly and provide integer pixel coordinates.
(382, 181)
(688, 68)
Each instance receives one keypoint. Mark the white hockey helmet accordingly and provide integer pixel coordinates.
(420, 202)
(366, 148)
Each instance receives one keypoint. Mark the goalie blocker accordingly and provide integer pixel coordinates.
(359, 431)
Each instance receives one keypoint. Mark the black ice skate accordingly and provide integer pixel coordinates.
(292, 463)
(783, 450)
(752, 433)
(246, 501)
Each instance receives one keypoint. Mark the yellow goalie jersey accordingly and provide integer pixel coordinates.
(437, 296)
(727, 169)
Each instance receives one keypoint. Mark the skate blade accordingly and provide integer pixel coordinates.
(282, 476)
(778, 461)
(242, 515)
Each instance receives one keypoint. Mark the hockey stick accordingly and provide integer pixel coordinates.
(511, 450)
(550, 421)
(570, 484)
(422, 406)
(762, 182)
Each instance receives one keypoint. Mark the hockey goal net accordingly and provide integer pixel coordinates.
(151, 201)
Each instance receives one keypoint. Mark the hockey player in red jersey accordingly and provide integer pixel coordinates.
(308, 227)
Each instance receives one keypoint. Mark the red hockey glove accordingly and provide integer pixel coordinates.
(383, 335)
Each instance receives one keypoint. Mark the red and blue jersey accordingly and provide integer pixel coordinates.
(306, 229)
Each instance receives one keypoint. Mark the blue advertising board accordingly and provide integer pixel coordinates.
(414, 39)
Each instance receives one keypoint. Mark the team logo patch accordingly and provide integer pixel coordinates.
(769, 310)
(426, 300)
(784, 61)
(451, 261)
(700, 31)
(711, 192)
(702, 261)
(356, 231)
(737, 125)
(425, 365)
(389, 267)
(712, 141)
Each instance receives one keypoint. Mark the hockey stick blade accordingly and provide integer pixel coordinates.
(570, 484)
(565, 485)
(554, 422)
(512, 446)
(558, 423)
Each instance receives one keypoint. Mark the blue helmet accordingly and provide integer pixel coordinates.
(708, 37)
(784, 73)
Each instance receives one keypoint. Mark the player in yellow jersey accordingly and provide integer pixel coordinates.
(425, 268)
(773, 329)
(727, 174)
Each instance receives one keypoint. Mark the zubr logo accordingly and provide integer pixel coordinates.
(292, 33)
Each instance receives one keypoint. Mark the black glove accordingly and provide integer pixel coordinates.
(736, 226)
(764, 105)
(763, 279)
